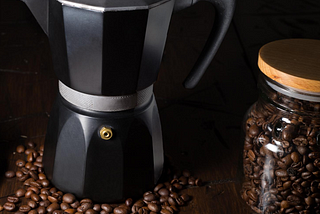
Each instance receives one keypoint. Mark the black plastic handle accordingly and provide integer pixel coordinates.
(224, 14)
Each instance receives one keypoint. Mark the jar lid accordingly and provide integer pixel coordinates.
(293, 63)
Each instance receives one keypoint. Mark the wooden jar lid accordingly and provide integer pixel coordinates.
(292, 62)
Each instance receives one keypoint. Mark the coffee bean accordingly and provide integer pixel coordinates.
(32, 204)
(33, 175)
(53, 190)
(35, 184)
(33, 212)
(27, 182)
(179, 201)
(52, 207)
(39, 159)
(41, 148)
(285, 204)
(287, 160)
(120, 210)
(303, 150)
(107, 208)
(24, 208)
(9, 206)
(172, 202)
(57, 212)
(41, 210)
(253, 130)
(191, 181)
(90, 211)
(293, 200)
(97, 207)
(70, 211)
(24, 177)
(310, 167)
(24, 170)
(251, 155)
(64, 206)
(295, 156)
(38, 164)
(52, 199)
(185, 197)
(86, 200)
(28, 151)
(164, 211)
(9, 174)
(154, 207)
(306, 175)
(281, 173)
(45, 203)
(28, 194)
(56, 196)
(35, 197)
(158, 187)
(44, 182)
(84, 206)
(164, 192)
(43, 197)
(314, 155)
(174, 195)
(19, 174)
(149, 197)
(13, 199)
(42, 176)
(28, 165)
(163, 199)
(30, 157)
(20, 149)
(75, 204)
(183, 180)
(288, 132)
(129, 202)
(309, 201)
(177, 186)
(198, 182)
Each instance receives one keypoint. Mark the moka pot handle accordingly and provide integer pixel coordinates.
(224, 13)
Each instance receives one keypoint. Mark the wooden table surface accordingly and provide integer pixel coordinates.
(201, 127)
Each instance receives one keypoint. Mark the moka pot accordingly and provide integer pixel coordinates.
(104, 136)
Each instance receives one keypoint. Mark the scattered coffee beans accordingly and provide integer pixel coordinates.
(20, 149)
(10, 174)
(281, 156)
(9, 206)
(43, 198)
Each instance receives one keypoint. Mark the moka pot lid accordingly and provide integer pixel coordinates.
(113, 5)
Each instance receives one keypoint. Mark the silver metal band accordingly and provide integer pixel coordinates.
(105, 103)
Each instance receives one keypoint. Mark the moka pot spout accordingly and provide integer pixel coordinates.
(40, 10)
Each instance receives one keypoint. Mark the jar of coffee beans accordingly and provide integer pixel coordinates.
(281, 153)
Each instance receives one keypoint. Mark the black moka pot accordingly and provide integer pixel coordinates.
(104, 136)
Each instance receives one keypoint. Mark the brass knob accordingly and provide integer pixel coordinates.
(106, 133)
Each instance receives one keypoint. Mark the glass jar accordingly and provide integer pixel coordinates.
(281, 153)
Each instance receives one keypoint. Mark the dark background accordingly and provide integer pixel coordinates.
(201, 127)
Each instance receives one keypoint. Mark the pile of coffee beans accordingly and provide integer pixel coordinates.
(42, 197)
(281, 156)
